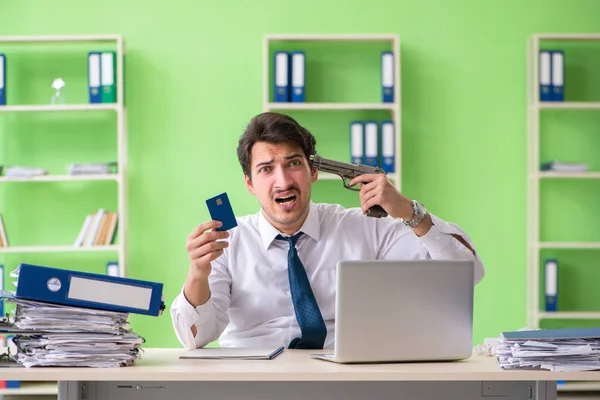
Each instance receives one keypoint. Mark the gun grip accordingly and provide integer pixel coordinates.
(377, 212)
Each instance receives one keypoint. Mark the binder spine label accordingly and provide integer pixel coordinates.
(94, 77)
(2, 79)
(371, 148)
(282, 71)
(357, 147)
(551, 273)
(387, 77)
(387, 146)
(545, 76)
(298, 77)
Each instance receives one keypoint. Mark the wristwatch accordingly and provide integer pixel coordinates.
(420, 212)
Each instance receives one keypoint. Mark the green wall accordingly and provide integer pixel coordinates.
(193, 74)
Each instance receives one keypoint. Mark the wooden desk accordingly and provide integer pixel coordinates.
(294, 375)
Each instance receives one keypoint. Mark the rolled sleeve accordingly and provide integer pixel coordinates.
(442, 245)
(185, 316)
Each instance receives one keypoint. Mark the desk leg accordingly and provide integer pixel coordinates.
(73, 390)
(544, 390)
(364, 390)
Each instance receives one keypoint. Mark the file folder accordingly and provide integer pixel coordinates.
(112, 268)
(371, 143)
(551, 280)
(558, 75)
(298, 76)
(94, 77)
(2, 79)
(83, 289)
(387, 76)
(545, 69)
(357, 143)
(282, 78)
(387, 146)
(108, 77)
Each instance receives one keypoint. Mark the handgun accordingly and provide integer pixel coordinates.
(348, 172)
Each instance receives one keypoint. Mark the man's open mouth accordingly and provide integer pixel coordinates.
(285, 199)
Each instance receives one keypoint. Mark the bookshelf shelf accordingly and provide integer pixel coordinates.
(61, 107)
(535, 246)
(566, 175)
(32, 389)
(92, 42)
(331, 38)
(331, 106)
(569, 245)
(60, 38)
(569, 315)
(392, 110)
(62, 178)
(57, 249)
(567, 105)
(566, 36)
(578, 386)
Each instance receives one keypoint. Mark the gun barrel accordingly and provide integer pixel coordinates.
(342, 168)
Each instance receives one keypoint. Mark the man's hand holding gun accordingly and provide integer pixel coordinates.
(378, 197)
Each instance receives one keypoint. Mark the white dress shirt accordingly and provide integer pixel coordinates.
(251, 304)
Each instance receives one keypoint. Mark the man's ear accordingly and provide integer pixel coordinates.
(249, 184)
(314, 175)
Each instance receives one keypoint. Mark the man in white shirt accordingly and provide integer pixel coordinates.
(271, 280)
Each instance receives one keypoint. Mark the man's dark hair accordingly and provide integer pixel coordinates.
(273, 128)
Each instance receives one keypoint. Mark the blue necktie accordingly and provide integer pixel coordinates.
(308, 314)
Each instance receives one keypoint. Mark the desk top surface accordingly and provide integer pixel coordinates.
(291, 365)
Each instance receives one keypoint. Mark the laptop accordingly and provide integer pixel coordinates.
(402, 311)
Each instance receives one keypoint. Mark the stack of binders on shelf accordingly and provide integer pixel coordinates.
(290, 77)
(552, 75)
(76, 319)
(102, 77)
(557, 350)
(372, 144)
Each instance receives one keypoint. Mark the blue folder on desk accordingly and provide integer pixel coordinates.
(83, 289)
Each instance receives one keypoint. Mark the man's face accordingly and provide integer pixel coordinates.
(281, 181)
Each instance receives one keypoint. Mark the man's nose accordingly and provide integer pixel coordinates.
(282, 178)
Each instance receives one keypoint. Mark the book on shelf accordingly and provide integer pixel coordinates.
(98, 229)
(3, 238)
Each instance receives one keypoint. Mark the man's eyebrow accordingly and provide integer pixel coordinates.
(290, 157)
(264, 163)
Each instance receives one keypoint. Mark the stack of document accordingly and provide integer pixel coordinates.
(558, 350)
(56, 335)
(24, 172)
(560, 166)
(91, 168)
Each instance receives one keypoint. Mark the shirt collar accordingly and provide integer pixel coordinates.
(311, 226)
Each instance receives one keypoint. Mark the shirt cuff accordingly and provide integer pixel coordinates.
(194, 316)
(436, 240)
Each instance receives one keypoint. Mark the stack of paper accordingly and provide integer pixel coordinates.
(91, 168)
(560, 166)
(55, 335)
(24, 172)
(559, 350)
